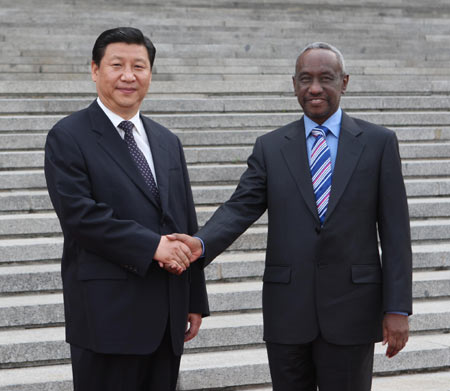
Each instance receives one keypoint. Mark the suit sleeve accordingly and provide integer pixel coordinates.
(394, 231)
(90, 223)
(246, 205)
(198, 296)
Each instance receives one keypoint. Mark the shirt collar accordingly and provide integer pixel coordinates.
(117, 119)
(333, 123)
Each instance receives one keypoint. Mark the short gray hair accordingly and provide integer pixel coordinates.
(326, 46)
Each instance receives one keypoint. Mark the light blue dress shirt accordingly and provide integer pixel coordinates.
(334, 124)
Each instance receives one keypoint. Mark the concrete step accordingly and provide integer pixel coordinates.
(421, 230)
(47, 223)
(19, 183)
(209, 176)
(227, 266)
(236, 104)
(44, 276)
(221, 154)
(29, 309)
(39, 123)
(212, 154)
(228, 137)
(434, 381)
(240, 367)
(17, 71)
(18, 347)
(30, 249)
(358, 85)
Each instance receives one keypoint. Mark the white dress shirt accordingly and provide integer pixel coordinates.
(139, 134)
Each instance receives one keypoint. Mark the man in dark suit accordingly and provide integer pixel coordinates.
(118, 182)
(330, 183)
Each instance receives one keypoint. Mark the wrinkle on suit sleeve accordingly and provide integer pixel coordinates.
(198, 296)
(90, 223)
(394, 231)
(246, 205)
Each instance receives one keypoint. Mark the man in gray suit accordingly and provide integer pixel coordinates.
(330, 184)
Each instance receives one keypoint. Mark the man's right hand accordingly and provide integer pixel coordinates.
(194, 244)
(173, 255)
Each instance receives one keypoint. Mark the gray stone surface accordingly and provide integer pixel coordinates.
(222, 78)
(30, 249)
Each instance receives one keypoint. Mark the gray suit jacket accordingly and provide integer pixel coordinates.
(331, 279)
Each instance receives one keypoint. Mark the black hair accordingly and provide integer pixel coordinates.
(128, 35)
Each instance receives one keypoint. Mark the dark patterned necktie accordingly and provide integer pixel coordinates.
(139, 158)
(321, 170)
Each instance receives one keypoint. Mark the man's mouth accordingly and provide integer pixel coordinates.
(126, 90)
(316, 101)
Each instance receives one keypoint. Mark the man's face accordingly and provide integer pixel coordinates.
(123, 77)
(319, 83)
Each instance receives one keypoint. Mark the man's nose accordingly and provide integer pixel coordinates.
(128, 75)
(315, 87)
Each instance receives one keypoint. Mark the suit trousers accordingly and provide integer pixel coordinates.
(114, 372)
(320, 364)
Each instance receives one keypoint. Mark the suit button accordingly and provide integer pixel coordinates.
(317, 229)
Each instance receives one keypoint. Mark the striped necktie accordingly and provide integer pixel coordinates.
(321, 172)
(139, 158)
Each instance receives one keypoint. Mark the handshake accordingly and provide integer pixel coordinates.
(176, 252)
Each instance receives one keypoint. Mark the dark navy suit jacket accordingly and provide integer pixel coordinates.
(116, 298)
(331, 279)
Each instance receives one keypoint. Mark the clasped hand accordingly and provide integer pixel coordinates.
(176, 252)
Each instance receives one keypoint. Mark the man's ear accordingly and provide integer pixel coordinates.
(94, 71)
(344, 84)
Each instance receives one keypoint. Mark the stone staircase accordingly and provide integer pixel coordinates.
(222, 77)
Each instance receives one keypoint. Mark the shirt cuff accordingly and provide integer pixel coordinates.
(395, 312)
(203, 245)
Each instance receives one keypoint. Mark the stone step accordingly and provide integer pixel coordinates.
(359, 85)
(212, 154)
(15, 70)
(433, 229)
(208, 179)
(161, 63)
(221, 154)
(218, 104)
(42, 276)
(182, 34)
(18, 347)
(226, 266)
(219, 331)
(31, 249)
(30, 180)
(47, 223)
(23, 139)
(43, 309)
(407, 135)
(240, 367)
(434, 381)
(39, 123)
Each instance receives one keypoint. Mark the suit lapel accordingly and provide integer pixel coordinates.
(161, 159)
(295, 155)
(110, 140)
(349, 151)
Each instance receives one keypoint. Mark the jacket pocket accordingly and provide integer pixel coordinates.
(366, 274)
(94, 267)
(279, 274)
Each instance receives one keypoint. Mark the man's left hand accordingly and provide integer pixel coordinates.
(395, 333)
(193, 324)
